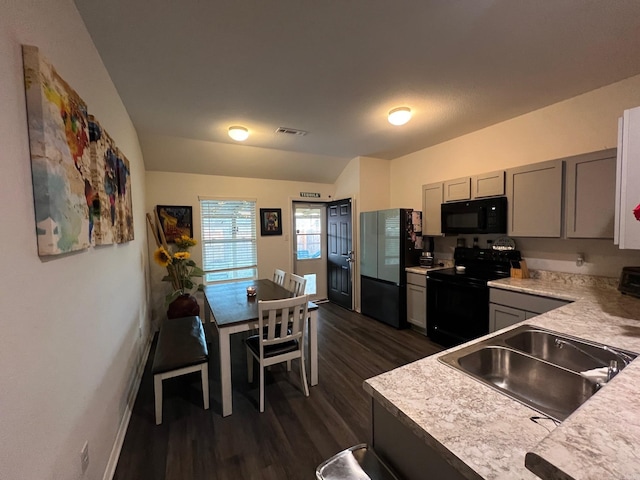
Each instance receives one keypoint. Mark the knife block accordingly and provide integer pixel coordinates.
(522, 272)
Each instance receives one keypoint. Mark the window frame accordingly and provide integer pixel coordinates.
(227, 242)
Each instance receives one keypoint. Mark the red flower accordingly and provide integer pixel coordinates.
(636, 212)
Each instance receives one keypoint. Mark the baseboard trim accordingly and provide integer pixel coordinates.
(124, 423)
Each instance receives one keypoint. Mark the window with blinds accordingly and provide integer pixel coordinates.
(228, 240)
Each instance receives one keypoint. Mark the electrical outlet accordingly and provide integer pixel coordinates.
(84, 456)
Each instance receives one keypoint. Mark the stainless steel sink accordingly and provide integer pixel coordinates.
(550, 372)
(574, 354)
(555, 391)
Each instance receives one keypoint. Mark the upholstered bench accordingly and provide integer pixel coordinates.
(181, 349)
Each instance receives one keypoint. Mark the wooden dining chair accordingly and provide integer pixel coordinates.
(278, 343)
(278, 276)
(295, 284)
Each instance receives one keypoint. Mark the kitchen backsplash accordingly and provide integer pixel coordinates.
(574, 279)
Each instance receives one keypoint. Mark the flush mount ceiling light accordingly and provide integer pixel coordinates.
(238, 133)
(399, 116)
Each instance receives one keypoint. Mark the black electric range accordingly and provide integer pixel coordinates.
(458, 302)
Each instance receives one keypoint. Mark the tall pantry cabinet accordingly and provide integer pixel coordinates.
(627, 227)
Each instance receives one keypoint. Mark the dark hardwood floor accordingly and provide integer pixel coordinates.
(294, 434)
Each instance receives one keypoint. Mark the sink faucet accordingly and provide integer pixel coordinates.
(612, 368)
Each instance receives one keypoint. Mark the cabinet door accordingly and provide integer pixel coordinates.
(431, 203)
(487, 184)
(590, 192)
(534, 193)
(628, 180)
(458, 189)
(501, 316)
(417, 305)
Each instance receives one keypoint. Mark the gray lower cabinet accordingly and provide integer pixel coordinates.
(407, 454)
(417, 300)
(507, 308)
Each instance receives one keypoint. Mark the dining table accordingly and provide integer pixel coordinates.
(231, 310)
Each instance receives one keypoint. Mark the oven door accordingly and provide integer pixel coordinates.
(457, 312)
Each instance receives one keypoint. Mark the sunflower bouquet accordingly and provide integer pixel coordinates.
(181, 269)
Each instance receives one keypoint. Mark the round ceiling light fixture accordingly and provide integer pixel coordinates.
(238, 133)
(399, 116)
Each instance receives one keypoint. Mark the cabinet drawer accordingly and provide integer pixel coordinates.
(417, 279)
(524, 301)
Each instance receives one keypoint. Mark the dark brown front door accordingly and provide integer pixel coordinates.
(339, 252)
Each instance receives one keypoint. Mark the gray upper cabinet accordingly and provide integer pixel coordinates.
(458, 189)
(590, 187)
(479, 186)
(487, 184)
(534, 194)
(432, 195)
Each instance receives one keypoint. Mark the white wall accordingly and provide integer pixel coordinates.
(375, 188)
(165, 188)
(579, 125)
(69, 342)
(348, 183)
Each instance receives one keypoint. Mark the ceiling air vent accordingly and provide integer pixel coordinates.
(291, 131)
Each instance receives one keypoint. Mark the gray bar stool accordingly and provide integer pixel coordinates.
(356, 463)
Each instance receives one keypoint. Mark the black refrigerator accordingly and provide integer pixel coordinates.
(390, 241)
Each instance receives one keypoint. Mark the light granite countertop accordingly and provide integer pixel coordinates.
(485, 434)
(426, 270)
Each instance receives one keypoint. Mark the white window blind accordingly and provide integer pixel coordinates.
(228, 240)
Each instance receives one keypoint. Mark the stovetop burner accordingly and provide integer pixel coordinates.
(481, 265)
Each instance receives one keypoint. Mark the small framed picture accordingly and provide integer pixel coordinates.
(270, 221)
(175, 221)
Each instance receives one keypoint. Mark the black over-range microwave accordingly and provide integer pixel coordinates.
(487, 215)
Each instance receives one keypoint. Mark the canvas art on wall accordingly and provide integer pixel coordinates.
(125, 206)
(81, 181)
(175, 221)
(104, 164)
(60, 160)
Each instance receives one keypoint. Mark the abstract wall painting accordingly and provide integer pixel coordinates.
(125, 205)
(60, 160)
(104, 169)
(81, 181)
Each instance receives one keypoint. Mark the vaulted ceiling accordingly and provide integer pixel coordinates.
(187, 70)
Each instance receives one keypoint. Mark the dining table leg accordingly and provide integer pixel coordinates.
(313, 346)
(225, 372)
(207, 311)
